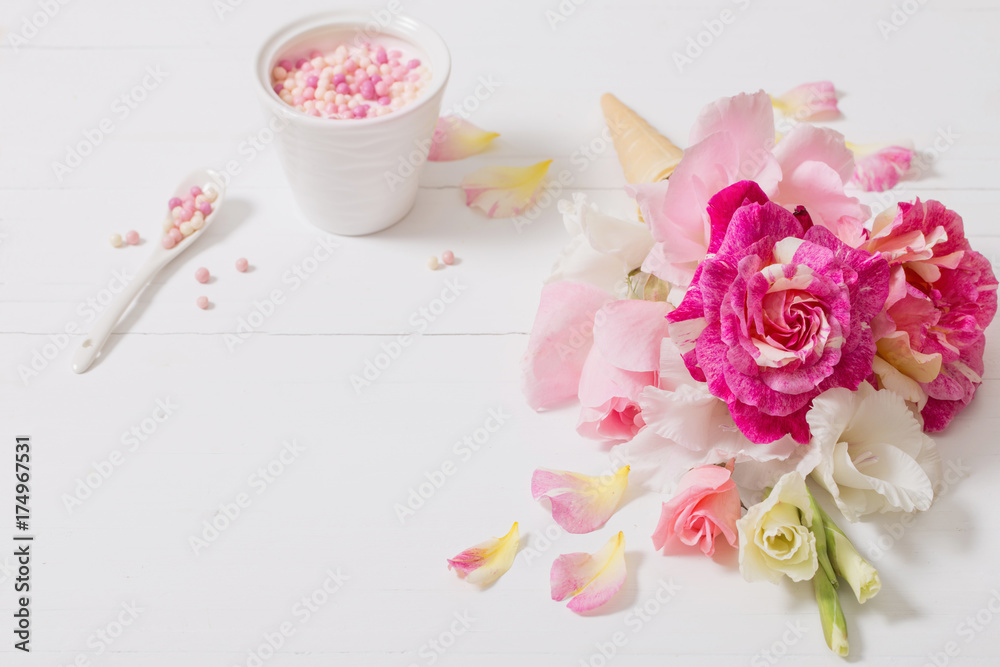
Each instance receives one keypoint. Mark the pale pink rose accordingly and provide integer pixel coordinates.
(624, 360)
(705, 506)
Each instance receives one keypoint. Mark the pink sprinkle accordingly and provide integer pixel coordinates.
(299, 63)
(360, 112)
(242, 264)
(385, 101)
(201, 275)
(306, 67)
(176, 235)
(298, 100)
(353, 88)
(381, 89)
(205, 208)
(187, 214)
(132, 237)
(278, 87)
(312, 81)
(395, 53)
(196, 191)
(309, 93)
(173, 202)
(338, 79)
(286, 65)
(448, 257)
(413, 64)
(168, 241)
(202, 302)
(350, 65)
(380, 56)
(368, 90)
(343, 89)
(376, 78)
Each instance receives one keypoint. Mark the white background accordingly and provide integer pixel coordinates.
(333, 507)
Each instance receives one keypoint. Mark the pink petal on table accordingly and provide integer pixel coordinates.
(809, 101)
(590, 579)
(580, 503)
(487, 561)
(629, 332)
(503, 192)
(879, 168)
(456, 138)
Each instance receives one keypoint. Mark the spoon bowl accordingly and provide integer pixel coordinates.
(88, 351)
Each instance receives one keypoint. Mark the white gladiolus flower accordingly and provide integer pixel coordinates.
(874, 455)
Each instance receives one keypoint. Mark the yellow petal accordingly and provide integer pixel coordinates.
(504, 191)
(580, 503)
(456, 138)
(487, 561)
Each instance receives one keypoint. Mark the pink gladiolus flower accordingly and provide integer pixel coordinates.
(623, 361)
(560, 341)
(879, 168)
(705, 506)
(778, 315)
(734, 140)
(944, 295)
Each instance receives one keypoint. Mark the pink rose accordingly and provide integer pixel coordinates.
(943, 296)
(705, 505)
(778, 315)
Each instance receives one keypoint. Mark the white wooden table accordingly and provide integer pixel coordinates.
(325, 518)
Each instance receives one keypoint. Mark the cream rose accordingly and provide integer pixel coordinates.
(774, 534)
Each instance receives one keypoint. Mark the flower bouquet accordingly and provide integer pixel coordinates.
(756, 329)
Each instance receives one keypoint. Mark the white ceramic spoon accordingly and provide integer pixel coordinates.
(160, 257)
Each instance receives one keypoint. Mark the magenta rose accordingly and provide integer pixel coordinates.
(943, 296)
(779, 314)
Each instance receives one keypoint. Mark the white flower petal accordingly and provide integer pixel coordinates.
(873, 454)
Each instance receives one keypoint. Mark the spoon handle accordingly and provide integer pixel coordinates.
(105, 324)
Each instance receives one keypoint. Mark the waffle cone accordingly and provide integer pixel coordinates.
(646, 155)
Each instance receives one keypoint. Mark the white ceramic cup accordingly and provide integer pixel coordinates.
(358, 176)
